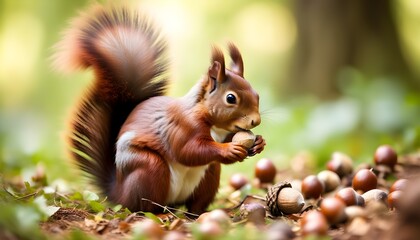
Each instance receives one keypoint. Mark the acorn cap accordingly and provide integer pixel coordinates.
(272, 196)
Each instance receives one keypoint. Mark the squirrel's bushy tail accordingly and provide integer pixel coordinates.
(127, 56)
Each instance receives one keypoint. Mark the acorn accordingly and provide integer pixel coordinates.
(330, 180)
(385, 155)
(350, 197)
(364, 180)
(333, 210)
(353, 212)
(148, 229)
(210, 230)
(237, 181)
(399, 185)
(341, 164)
(290, 201)
(244, 138)
(253, 212)
(280, 230)
(375, 195)
(175, 235)
(314, 223)
(347, 195)
(219, 216)
(394, 199)
(360, 201)
(282, 199)
(312, 187)
(265, 170)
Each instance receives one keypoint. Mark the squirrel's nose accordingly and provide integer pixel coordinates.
(255, 120)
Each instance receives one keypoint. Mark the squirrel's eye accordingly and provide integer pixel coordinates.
(230, 98)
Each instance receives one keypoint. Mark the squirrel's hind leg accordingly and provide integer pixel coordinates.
(205, 192)
(143, 181)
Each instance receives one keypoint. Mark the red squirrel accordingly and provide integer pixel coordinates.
(139, 146)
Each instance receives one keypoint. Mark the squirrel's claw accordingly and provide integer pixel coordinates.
(258, 146)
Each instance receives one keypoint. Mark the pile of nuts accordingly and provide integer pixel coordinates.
(335, 196)
(339, 197)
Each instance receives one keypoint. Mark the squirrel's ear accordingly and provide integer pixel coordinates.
(217, 69)
(237, 65)
(214, 72)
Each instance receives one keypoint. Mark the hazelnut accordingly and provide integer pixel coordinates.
(350, 197)
(245, 138)
(283, 199)
(394, 199)
(353, 212)
(330, 180)
(148, 229)
(265, 171)
(340, 164)
(290, 201)
(254, 212)
(360, 201)
(210, 229)
(400, 184)
(385, 155)
(312, 187)
(314, 223)
(364, 180)
(375, 195)
(219, 216)
(333, 210)
(280, 230)
(347, 195)
(174, 235)
(237, 181)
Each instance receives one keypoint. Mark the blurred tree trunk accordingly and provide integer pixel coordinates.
(334, 34)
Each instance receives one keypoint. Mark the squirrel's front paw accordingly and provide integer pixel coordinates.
(258, 147)
(234, 152)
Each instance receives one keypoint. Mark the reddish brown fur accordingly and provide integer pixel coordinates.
(146, 177)
(205, 192)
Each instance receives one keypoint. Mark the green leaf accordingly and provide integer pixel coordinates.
(123, 214)
(41, 203)
(27, 186)
(117, 208)
(90, 196)
(96, 206)
(24, 222)
(78, 234)
(76, 196)
(152, 217)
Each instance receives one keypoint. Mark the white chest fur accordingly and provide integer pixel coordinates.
(185, 179)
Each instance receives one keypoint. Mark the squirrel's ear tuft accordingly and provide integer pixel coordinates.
(237, 65)
(217, 69)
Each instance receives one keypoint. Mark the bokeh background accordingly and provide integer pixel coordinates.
(332, 75)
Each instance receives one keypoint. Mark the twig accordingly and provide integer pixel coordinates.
(11, 194)
(29, 195)
(157, 204)
(169, 208)
(22, 197)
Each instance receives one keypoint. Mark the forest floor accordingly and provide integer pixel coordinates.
(83, 215)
